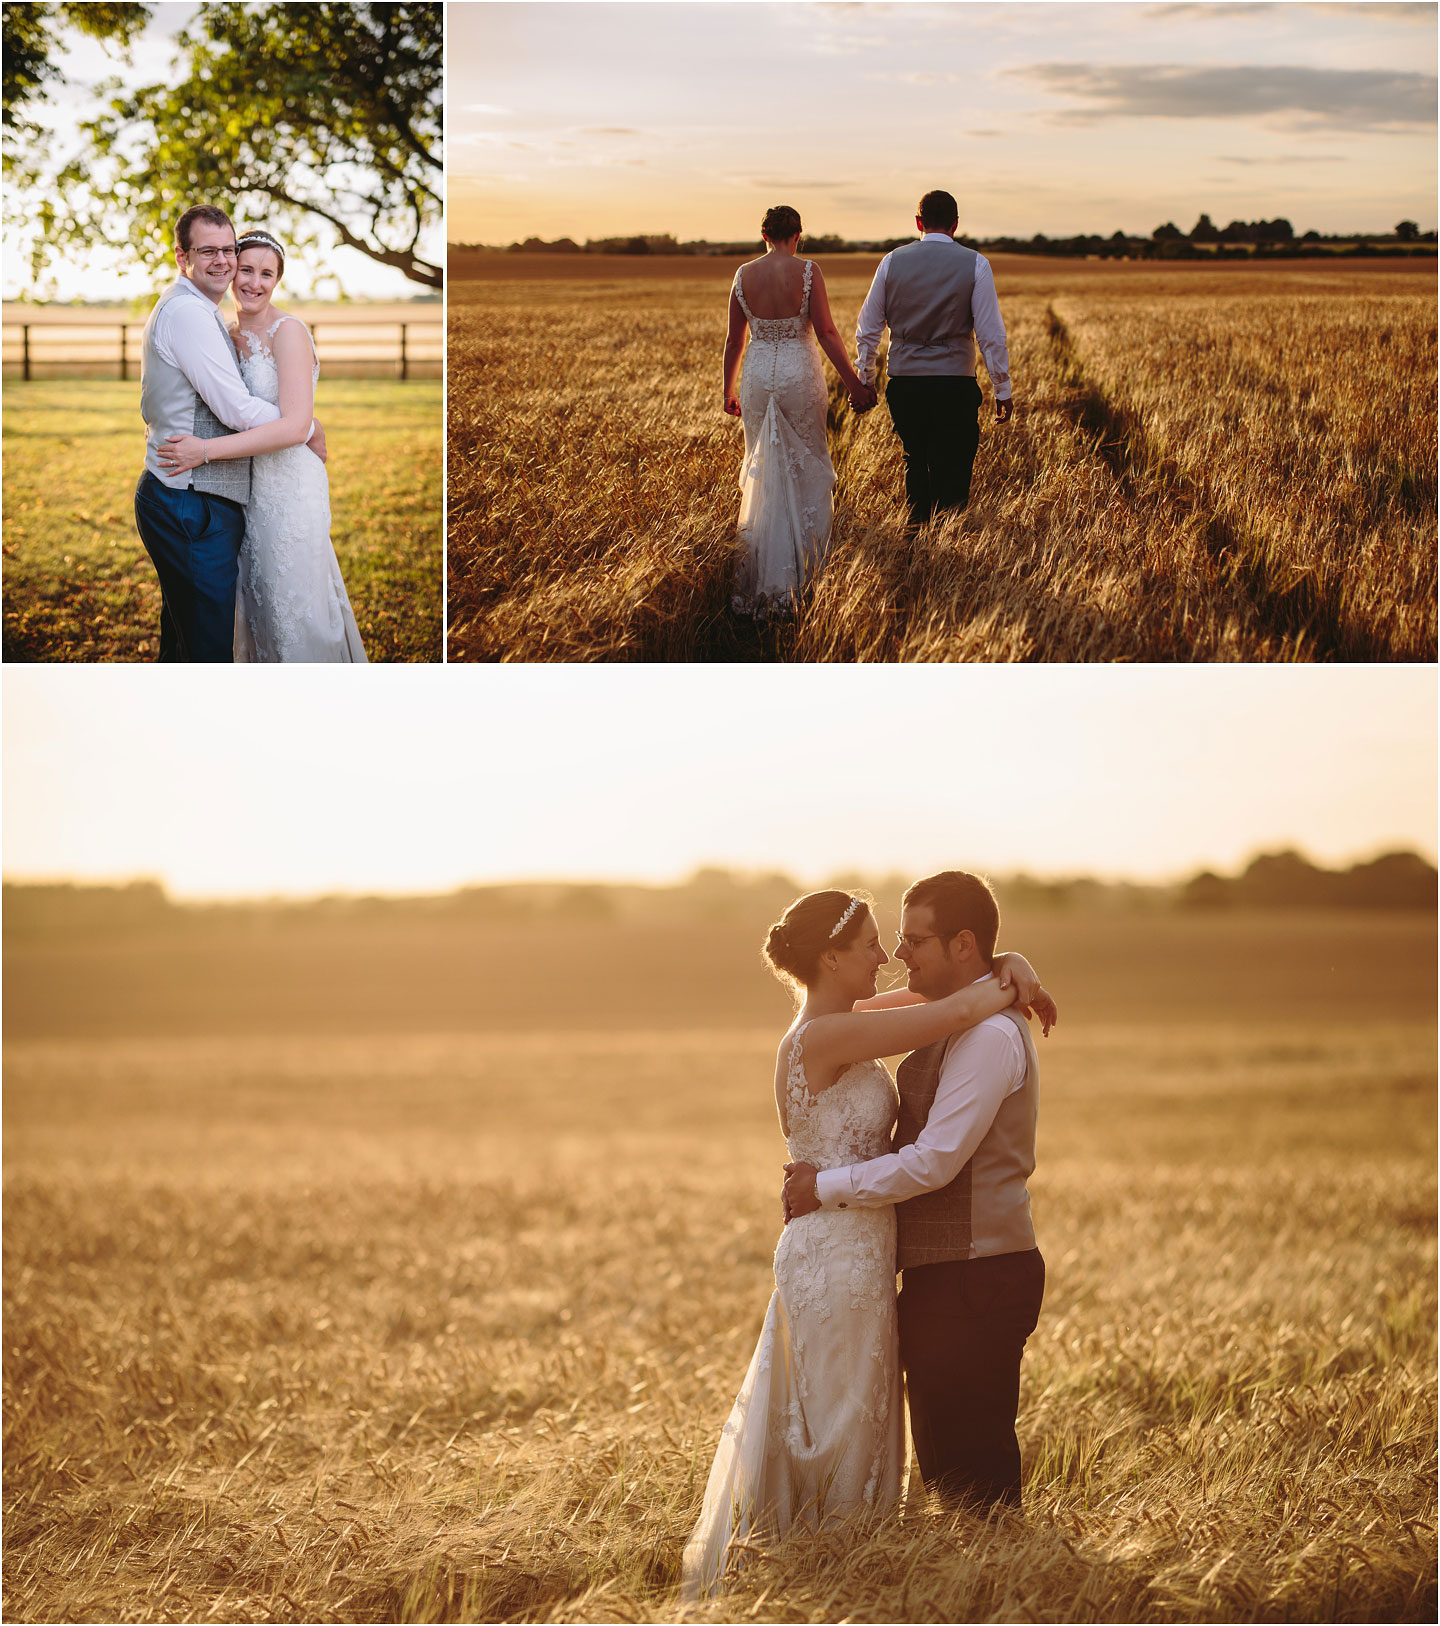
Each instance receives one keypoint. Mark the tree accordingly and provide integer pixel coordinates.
(1204, 231)
(1166, 233)
(31, 44)
(1408, 231)
(322, 122)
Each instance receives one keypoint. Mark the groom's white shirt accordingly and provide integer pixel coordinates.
(188, 333)
(980, 1069)
(984, 312)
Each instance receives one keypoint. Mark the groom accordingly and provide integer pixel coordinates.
(938, 299)
(964, 1144)
(192, 523)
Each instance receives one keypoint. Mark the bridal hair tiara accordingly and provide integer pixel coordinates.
(259, 239)
(839, 925)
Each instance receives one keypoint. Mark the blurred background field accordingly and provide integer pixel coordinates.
(382, 1261)
(79, 585)
(1208, 463)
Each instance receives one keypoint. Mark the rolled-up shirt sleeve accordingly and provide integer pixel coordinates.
(192, 339)
(871, 324)
(990, 328)
(981, 1068)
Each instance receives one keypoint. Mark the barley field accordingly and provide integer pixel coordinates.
(1208, 463)
(357, 1273)
(79, 585)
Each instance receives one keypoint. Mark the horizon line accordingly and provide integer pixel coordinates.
(747, 875)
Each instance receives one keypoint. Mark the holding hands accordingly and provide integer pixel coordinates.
(861, 396)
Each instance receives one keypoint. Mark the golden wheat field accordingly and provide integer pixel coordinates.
(1208, 463)
(356, 1273)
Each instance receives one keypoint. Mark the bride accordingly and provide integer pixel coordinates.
(818, 1427)
(290, 601)
(787, 478)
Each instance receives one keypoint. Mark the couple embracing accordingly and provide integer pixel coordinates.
(937, 297)
(237, 524)
(928, 1180)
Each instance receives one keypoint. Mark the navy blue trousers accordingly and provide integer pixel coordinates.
(963, 1327)
(193, 540)
(938, 422)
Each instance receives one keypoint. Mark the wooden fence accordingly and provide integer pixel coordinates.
(348, 348)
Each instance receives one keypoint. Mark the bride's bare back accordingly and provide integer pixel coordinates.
(774, 286)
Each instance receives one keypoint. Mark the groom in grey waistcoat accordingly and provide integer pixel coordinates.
(192, 523)
(937, 297)
(972, 1277)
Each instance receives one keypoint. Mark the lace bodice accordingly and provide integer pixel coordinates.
(258, 366)
(848, 1123)
(777, 329)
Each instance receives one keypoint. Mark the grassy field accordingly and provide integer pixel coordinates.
(346, 1307)
(1208, 463)
(79, 585)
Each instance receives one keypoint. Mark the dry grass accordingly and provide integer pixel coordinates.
(1209, 463)
(396, 1326)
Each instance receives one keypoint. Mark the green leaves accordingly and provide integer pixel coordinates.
(322, 121)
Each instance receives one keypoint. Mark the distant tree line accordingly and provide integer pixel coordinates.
(1284, 880)
(1241, 239)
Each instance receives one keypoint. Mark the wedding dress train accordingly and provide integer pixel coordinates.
(787, 480)
(818, 1428)
(290, 599)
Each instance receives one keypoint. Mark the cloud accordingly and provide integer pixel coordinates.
(1286, 158)
(1330, 98)
(484, 107)
(611, 130)
(771, 184)
(1396, 11)
(849, 44)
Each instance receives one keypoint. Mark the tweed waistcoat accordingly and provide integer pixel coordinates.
(986, 1208)
(170, 404)
(228, 479)
(927, 309)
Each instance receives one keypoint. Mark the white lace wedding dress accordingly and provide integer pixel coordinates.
(818, 1428)
(787, 481)
(290, 600)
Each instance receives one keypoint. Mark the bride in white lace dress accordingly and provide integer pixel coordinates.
(290, 599)
(818, 1428)
(787, 479)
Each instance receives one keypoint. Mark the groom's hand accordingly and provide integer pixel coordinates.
(1003, 410)
(316, 442)
(799, 1196)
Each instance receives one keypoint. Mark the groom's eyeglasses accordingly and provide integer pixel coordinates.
(208, 254)
(911, 941)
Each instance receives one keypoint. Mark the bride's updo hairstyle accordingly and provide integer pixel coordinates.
(779, 225)
(812, 924)
(262, 239)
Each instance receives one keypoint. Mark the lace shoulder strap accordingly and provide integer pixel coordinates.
(805, 302)
(739, 291)
(271, 331)
(798, 1084)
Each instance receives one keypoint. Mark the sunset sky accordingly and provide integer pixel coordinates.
(591, 120)
(279, 782)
